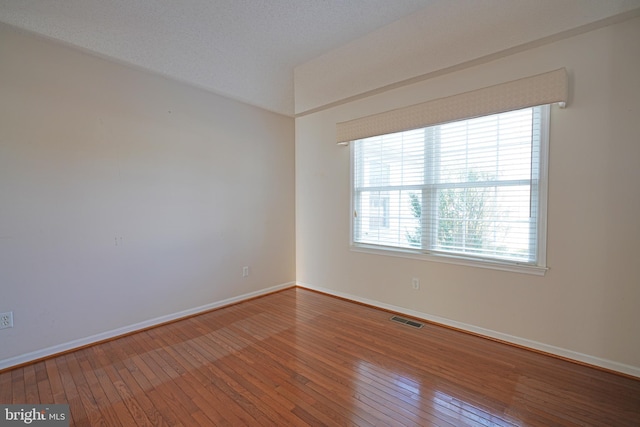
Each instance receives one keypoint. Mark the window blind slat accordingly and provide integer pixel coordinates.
(546, 88)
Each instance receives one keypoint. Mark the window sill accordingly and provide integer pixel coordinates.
(513, 267)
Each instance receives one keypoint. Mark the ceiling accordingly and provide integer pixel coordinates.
(243, 49)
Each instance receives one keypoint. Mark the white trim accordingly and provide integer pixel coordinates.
(60, 348)
(543, 184)
(451, 259)
(481, 260)
(546, 348)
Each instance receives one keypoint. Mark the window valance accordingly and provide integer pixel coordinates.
(547, 88)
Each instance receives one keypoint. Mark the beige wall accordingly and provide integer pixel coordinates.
(444, 35)
(586, 306)
(126, 197)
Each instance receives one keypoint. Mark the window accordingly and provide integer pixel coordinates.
(458, 179)
(473, 189)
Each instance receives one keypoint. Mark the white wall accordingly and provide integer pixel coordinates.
(126, 197)
(586, 306)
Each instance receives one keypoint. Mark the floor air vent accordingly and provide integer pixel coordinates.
(407, 322)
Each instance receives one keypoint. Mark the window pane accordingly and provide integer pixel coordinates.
(388, 218)
(488, 221)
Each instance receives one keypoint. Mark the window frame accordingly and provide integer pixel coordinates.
(537, 268)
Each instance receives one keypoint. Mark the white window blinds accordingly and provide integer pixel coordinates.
(541, 89)
(470, 188)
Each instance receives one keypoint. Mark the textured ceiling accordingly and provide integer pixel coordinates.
(248, 49)
(244, 49)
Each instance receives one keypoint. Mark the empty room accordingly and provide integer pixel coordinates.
(318, 213)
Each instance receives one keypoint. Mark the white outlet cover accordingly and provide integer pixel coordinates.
(6, 320)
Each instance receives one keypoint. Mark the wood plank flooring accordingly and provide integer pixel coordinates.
(297, 358)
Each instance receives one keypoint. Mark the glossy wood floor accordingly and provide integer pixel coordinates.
(298, 358)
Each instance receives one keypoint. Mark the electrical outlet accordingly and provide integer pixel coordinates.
(415, 283)
(245, 271)
(6, 320)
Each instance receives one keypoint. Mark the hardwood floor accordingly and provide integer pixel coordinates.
(298, 358)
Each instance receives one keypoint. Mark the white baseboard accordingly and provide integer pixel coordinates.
(61, 348)
(546, 348)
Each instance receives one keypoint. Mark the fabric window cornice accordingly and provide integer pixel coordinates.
(547, 88)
